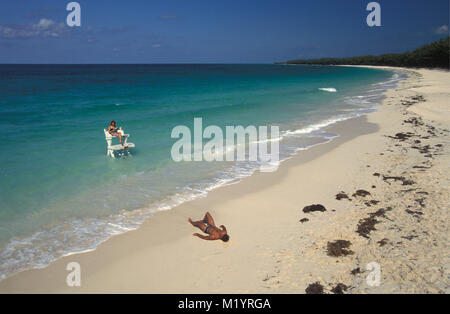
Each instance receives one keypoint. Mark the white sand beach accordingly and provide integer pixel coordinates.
(400, 155)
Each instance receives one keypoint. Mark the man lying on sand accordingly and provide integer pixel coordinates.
(208, 226)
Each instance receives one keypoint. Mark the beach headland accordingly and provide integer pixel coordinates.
(384, 185)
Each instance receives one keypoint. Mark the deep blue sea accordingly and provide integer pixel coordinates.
(60, 193)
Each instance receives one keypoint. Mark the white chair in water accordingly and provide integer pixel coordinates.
(112, 148)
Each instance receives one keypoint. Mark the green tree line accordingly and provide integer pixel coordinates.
(434, 55)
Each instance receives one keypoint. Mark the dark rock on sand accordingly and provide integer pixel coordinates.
(356, 271)
(314, 288)
(304, 220)
(339, 248)
(314, 208)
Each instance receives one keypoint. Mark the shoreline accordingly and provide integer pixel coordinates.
(124, 222)
(92, 219)
(261, 213)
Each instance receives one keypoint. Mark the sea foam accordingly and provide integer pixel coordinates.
(328, 89)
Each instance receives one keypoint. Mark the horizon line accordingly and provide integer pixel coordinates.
(174, 63)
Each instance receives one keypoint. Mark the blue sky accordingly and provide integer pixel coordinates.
(213, 31)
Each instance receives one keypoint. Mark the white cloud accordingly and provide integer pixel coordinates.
(442, 29)
(43, 28)
(44, 24)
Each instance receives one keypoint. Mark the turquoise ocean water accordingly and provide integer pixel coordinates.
(60, 194)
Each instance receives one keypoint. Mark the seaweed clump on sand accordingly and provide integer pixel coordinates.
(339, 248)
(367, 225)
(414, 121)
(314, 288)
(372, 202)
(304, 220)
(383, 242)
(342, 195)
(418, 98)
(402, 179)
(402, 136)
(314, 208)
(339, 289)
(361, 193)
(415, 214)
